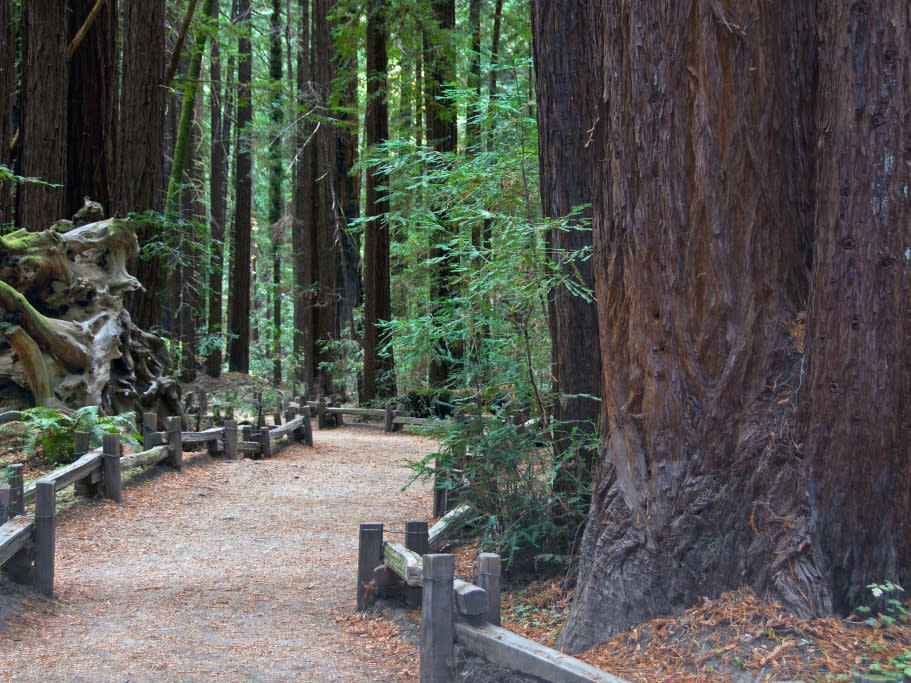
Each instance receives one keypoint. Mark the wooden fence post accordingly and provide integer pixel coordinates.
(17, 490)
(390, 416)
(265, 442)
(175, 443)
(488, 578)
(369, 557)
(149, 427)
(437, 618)
(4, 504)
(84, 487)
(308, 426)
(110, 465)
(231, 452)
(321, 413)
(45, 532)
(416, 539)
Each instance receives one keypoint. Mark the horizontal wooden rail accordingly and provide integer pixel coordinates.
(14, 536)
(408, 420)
(214, 434)
(287, 428)
(363, 412)
(152, 456)
(513, 651)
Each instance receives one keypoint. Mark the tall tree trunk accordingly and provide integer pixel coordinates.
(473, 115)
(442, 132)
(567, 115)
(350, 290)
(379, 368)
(7, 102)
(239, 311)
(302, 239)
(856, 410)
(42, 142)
(701, 211)
(276, 203)
(326, 233)
(187, 273)
(139, 185)
(219, 124)
(92, 100)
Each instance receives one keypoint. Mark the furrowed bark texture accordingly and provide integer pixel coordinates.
(276, 172)
(567, 83)
(91, 117)
(379, 370)
(140, 173)
(700, 216)
(42, 146)
(856, 413)
(7, 97)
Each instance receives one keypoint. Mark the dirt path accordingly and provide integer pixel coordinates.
(228, 571)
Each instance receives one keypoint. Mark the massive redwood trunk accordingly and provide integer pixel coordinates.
(92, 106)
(568, 118)
(7, 90)
(856, 407)
(42, 142)
(701, 210)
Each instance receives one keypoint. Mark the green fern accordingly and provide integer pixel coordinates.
(52, 431)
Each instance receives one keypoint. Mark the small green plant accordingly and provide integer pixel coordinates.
(51, 432)
(885, 608)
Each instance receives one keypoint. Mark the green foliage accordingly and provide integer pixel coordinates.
(884, 608)
(481, 212)
(52, 432)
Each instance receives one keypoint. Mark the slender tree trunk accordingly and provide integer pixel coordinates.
(303, 228)
(91, 117)
(442, 132)
(379, 368)
(7, 102)
(276, 203)
(140, 138)
(473, 122)
(42, 142)
(856, 410)
(186, 271)
(701, 211)
(567, 115)
(219, 124)
(325, 228)
(239, 311)
(350, 290)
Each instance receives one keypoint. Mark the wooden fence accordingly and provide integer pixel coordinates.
(454, 610)
(27, 542)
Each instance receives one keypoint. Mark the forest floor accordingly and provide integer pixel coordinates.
(245, 571)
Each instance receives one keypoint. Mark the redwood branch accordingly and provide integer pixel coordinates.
(87, 24)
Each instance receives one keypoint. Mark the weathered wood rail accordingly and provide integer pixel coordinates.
(27, 542)
(453, 610)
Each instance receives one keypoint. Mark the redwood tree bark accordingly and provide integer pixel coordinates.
(276, 200)
(220, 125)
(140, 138)
(239, 311)
(7, 90)
(701, 213)
(567, 118)
(326, 237)
(856, 412)
(379, 368)
(303, 233)
(442, 133)
(91, 104)
(42, 145)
